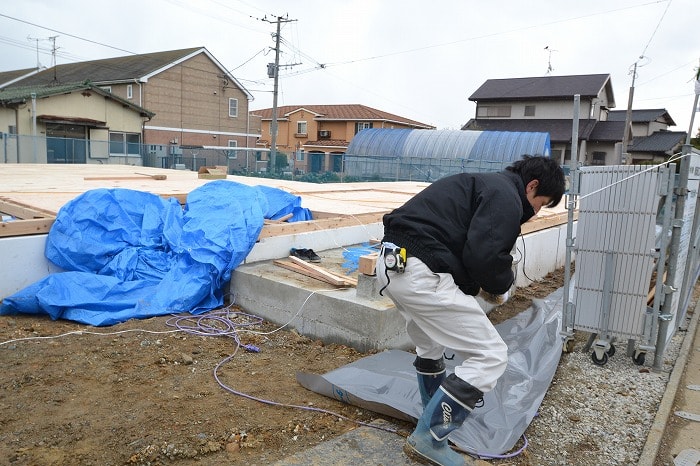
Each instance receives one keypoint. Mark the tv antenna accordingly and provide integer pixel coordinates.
(549, 60)
(53, 49)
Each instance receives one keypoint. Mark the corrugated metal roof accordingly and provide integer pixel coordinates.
(449, 144)
(544, 87)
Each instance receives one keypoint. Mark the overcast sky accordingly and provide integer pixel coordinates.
(415, 58)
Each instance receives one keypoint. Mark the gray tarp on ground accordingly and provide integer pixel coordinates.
(386, 382)
(131, 254)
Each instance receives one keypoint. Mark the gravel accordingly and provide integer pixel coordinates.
(598, 414)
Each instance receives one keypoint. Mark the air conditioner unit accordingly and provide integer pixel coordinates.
(325, 134)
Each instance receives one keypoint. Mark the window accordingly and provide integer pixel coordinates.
(529, 110)
(360, 125)
(12, 129)
(301, 129)
(124, 144)
(300, 155)
(232, 154)
(106, 88)
(233, 107)
(130, 91)
(494, 111)
(598, 158)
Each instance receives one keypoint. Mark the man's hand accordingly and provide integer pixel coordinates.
(496, 299)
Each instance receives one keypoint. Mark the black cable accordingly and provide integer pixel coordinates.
(388, 280)
(523, 257)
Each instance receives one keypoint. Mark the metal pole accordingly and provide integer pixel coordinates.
(692, 114)
(273, 124)
(567, 318)
(628, 118)
(34, 126)
(676, 227)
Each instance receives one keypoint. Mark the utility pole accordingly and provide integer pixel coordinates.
(628, 118)
(273, 124)
(695, 106)
(273, 72)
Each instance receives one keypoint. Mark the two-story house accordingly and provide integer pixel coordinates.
(651, 141)
(315, 137)
(194, 100)
(546, 104)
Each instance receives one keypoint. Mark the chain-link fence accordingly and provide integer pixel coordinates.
(40, 149)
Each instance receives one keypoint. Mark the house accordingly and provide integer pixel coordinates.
(71, 123)
(315, 137)
(546, 104)
(651, 141)
(194, 100)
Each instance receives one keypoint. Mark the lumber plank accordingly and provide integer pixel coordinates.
(26, 227)
(309, 273)
(332, 276)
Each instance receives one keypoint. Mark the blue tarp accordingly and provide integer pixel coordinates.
(131, 254)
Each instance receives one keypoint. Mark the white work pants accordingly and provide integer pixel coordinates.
(439, 316)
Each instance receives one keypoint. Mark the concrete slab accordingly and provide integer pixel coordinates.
(362, 446)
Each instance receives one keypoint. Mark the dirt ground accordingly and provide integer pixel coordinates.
(146, 393)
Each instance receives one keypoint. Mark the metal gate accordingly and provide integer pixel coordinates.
(625, 214)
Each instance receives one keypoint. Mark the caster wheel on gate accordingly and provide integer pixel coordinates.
(602, 361)
(639, 359)
(568, 346)
(611, 350)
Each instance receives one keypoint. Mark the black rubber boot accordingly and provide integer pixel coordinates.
(445, 412)
(431, 373)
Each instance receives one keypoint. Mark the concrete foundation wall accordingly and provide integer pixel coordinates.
(23, 263)
(318, 311)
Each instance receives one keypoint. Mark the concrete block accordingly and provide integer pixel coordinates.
(368, 287)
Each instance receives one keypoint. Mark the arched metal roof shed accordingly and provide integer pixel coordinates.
(417, 154)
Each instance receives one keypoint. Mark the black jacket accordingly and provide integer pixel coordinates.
(466, 225)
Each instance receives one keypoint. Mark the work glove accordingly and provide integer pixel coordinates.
(496, 299)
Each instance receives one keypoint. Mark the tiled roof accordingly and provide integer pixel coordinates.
(608, 131)
(18, 95)
(108, 70)
(7, 76)
(559, 130)
(643, 116)
(327, 143)
(347, 112)
(659, 141)
(544, 87)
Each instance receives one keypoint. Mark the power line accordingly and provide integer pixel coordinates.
(66, 34)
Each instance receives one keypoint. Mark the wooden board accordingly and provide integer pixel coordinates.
(313, 271)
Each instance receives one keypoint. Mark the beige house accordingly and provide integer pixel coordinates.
(315, 137)
(546, 104)
(75, 123)
(194, 100)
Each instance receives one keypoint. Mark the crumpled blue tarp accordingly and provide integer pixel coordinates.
(131, 254)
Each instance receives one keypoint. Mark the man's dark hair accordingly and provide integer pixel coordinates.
(544, 169)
